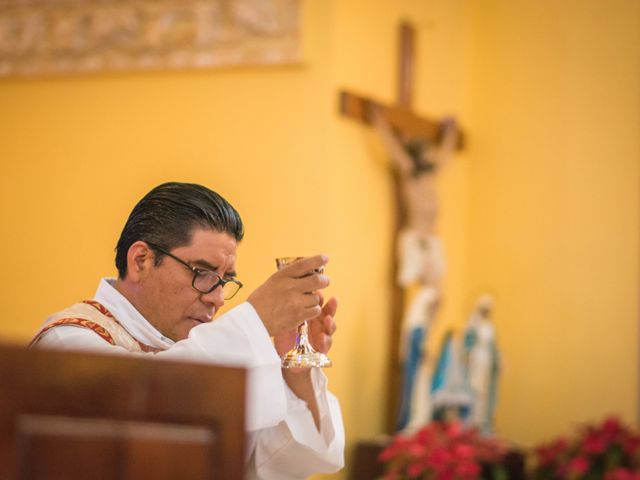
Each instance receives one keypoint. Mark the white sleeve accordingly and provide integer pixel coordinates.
(294, 449)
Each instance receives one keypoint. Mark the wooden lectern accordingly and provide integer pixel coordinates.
(80, 416)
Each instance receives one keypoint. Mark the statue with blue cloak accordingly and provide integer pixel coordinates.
(482, 363)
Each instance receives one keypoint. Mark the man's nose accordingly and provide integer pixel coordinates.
(214, 297)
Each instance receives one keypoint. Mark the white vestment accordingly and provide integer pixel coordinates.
(283, 442)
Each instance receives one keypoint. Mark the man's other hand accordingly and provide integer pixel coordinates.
(321, 330)
(291, 295)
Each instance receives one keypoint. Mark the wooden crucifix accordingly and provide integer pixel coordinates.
(401, 129)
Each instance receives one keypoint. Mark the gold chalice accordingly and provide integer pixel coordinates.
(302, 355)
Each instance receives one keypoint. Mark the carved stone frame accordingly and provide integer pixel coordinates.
(80, 36)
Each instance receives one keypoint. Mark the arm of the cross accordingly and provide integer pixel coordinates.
(411, 125)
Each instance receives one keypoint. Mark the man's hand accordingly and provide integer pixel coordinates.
(321, 330)
(291, 295)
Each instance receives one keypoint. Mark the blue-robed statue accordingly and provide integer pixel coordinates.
(415, 408)
(451, 395)
(482, 363)
(464, 382)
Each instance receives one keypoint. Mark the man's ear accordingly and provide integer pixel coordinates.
(140, 260)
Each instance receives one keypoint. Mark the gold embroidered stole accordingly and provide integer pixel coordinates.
(94, 316)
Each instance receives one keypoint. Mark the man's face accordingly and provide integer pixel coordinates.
(167, 299)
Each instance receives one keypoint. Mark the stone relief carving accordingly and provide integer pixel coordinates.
(68, 36)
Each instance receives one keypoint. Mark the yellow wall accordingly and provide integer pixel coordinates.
(541, 209)
(78, 152)
(554, 216)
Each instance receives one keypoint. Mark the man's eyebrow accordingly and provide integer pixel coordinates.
(208, 266)
(204, 264)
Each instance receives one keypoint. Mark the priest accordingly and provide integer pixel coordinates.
(176, 261)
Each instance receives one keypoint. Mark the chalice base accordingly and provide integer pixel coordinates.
(304, 356)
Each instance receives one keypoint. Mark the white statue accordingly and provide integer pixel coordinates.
(482, 363)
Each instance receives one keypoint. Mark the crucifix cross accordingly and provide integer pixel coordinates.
(403, 123)
(400, 116)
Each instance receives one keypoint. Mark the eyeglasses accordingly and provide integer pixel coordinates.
(205, 281)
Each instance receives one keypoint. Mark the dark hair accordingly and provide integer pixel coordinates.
(167, 215)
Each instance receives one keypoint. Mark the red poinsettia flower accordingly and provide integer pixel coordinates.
(622, 474)
(594, 442)
(440, 451)
(612, 429)
(467, 470)
(548, 453)
(578, 466)
(631, 445)
(399, 446)
(608, 450)
(464, 451)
